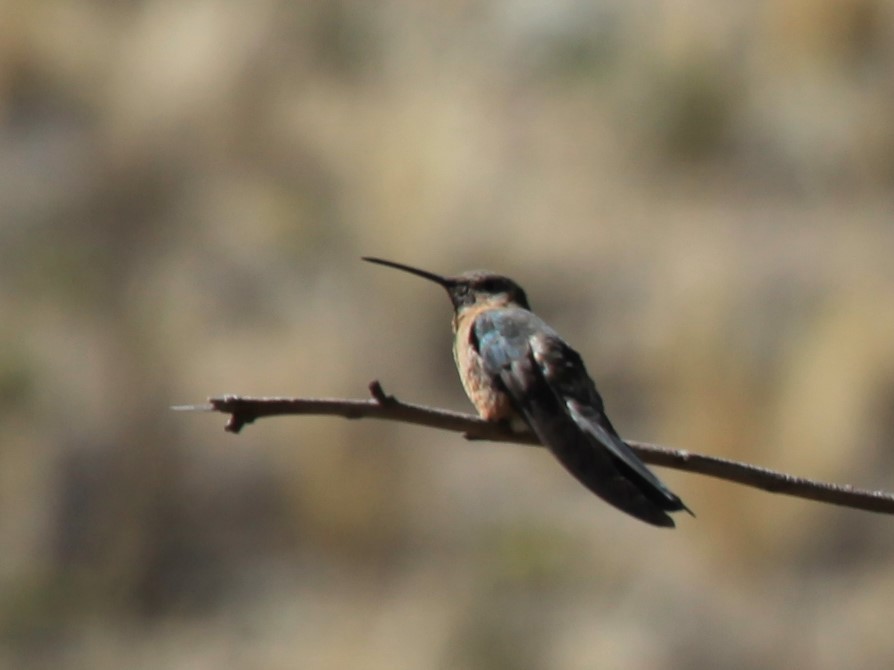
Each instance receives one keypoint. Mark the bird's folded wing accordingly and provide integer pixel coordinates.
(509, 352)
(561, 367)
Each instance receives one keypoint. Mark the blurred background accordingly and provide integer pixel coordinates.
(698, 195)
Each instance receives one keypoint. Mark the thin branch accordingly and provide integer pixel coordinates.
(243, 411)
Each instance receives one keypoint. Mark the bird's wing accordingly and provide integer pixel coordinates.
(564, 369)
(517, 349)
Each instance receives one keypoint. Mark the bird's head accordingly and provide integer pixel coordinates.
(470, 288)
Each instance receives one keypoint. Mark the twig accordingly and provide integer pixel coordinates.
(243, 411)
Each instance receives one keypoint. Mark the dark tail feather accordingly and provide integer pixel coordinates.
(594, 467)
(591, 463)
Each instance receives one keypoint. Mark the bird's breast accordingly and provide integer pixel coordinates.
(492, 403)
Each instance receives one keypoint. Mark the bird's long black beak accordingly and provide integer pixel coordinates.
(446, 282)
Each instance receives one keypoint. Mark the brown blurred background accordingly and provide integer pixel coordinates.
(698, 195)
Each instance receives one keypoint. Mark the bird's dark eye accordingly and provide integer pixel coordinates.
(492, 286)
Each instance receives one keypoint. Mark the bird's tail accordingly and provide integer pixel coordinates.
(595, 468)
(599, 459)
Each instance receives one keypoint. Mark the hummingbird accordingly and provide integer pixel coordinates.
(515, 368)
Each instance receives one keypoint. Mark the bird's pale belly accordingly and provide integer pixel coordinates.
(492, 405)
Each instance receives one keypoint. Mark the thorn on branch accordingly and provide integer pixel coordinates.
(236, 422)
(379, 395)
(238, 410)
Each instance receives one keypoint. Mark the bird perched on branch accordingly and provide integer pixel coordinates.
(516, 368)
